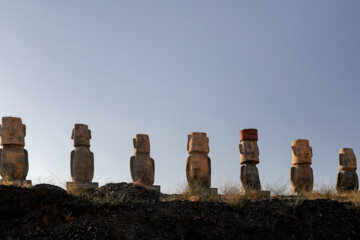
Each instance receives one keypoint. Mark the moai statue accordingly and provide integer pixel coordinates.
(198, 164)
(142, 166)
(301, 174)
(14, 163)
(82, 161)
(347, 179)
(249, 157)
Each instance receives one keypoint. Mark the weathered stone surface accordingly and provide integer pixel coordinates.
(301, 152)
(249, 177)
(347, 179)
(257, 194)
(249, 157)
(142, 166)
(14, 163)
(347, 159)
(82, 161)
(77, 188)
(81, 135)
(198, 142)
(153, 187)
(249, 152)
(301, 178)
(12, 131)
(141, 144)
(82, 164)
(249, 134)
(198, 164)
(301, 174)
(16, 183)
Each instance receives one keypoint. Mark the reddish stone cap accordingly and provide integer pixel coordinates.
(249, 134)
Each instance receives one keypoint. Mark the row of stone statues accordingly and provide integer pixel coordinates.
(14, 161)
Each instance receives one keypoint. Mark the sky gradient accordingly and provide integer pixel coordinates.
(167, 68)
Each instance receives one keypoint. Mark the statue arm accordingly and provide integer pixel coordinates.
(188, 168)
(92, 165)
(292, 174)
(209, 177)
(338, 182)
(0, 161)
(72, 162)
(153, 172)
(26, 166)
(132, 167)
(153, 165)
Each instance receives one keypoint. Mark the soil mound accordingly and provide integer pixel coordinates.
(116, 193)
(132, 212)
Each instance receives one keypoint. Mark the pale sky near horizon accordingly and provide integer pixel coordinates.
(166, 68)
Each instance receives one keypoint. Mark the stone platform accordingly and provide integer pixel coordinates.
(153, 187)
(213, 190)
(16, 183)
(257, 194)
(77, 188)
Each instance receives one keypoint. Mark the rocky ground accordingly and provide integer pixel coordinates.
(125, 211)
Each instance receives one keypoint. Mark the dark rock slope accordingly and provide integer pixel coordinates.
(124, 211)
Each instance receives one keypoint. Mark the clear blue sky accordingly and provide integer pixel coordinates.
(291, 69)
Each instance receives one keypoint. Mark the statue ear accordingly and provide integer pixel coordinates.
(311, 153)
(294, 150)
(207, 145)
(89, 134)
(257, 149)
(73, 133)
(341, 157)
(24, 130)
(241, 147)
(134, 142)
(189, 138)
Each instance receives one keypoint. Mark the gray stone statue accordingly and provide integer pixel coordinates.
(347, 178)
(198, 164)
(142, 166)
(301, 174)
(14, 164)
(249, 157)
(82, 161)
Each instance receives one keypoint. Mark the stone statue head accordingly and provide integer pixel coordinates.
(12, 131)
(249, 150)
(301, 152)
(81, 135)
(141, 143)
(347, 159)
(198, 142)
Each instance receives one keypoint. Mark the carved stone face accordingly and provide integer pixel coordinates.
(301, 152)
(141, 143)
(12, 131)
(249, 151)
(198, 142)
(347, 159)
(81, 135)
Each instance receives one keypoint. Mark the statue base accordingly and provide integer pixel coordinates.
(257, 194)
(16, 183)
(77, 188)
(213, 191)
(153, 187)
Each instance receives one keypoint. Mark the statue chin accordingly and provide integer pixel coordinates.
(252, 158)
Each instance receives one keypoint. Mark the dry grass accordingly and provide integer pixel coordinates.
(232, 194)
(196, 192)
(52, 179)
(279, 187)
